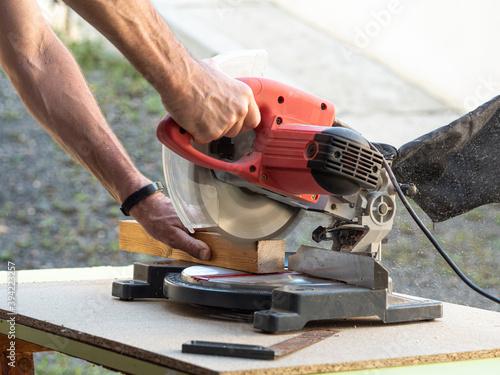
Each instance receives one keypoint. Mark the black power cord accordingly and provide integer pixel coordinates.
(431, 238)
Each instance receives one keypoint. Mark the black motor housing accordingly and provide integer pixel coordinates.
(345, 163)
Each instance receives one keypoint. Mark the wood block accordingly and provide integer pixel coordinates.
(265, 256)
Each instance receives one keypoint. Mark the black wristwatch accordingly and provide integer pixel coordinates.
(139, 195)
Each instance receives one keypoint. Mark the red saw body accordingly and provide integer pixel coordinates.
(253, 186)
(297, 151)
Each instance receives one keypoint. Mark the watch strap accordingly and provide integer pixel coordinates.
(139, 195)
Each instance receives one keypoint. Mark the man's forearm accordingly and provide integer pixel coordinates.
(53, 88)
(137, 30)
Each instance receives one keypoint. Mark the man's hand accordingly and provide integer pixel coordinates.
(157, 216)
(211, 105)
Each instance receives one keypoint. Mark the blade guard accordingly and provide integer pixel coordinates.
(284, 112)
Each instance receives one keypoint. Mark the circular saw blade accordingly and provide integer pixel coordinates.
(248, 216)
(203, 202)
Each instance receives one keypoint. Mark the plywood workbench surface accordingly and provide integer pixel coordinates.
(70, 312)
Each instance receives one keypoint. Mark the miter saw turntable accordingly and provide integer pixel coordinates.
(254, 186)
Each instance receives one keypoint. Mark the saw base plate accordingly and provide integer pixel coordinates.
(280, 302)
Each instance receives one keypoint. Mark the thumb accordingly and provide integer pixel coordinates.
(185, 242)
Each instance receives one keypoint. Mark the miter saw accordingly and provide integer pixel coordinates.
(253, 186)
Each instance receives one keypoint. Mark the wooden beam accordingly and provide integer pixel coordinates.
(16, 357)
(266, 256)
(18, 364)
(20, 345)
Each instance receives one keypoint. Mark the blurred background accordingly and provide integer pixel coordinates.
(394, 69)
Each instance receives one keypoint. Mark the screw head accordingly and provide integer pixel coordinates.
(383, 208)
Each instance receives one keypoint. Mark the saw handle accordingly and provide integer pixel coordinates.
(179, 141)
(279, 104)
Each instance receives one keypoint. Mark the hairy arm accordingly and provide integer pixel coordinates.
(204, 101)
(51, 85)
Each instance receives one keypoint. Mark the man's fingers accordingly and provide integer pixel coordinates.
(235, 130)
(191, 245)
(252, 118)
(199, 250)
(217, 106)
(157, 216)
